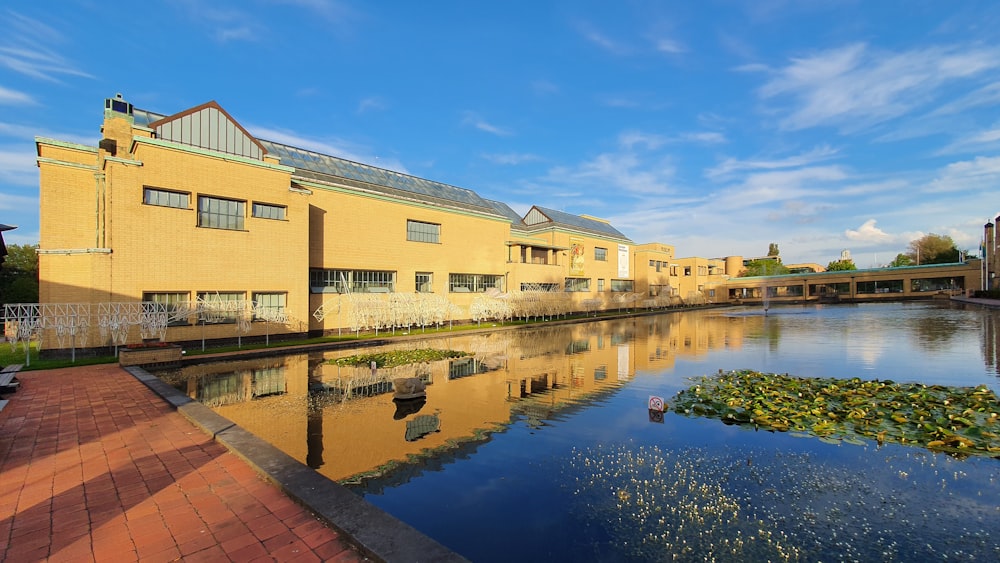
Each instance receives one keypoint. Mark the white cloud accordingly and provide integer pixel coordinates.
(981, 173)
(601, 40)
(731, 165)
(472, 119)
(512, 158)
(17, 165)
(26, 48)
(856, 86)
(613, 172)
(15, 98)
(669, 46)
(371, 103)
(27, 134)
(629, 139)
(868, 233)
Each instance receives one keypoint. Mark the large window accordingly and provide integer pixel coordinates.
(268, 211)
(622, 285)
(269, 306)
(218, 307)
(577, 284)
(352, 281)
(424, 282)
(418, 231)
(216, 213)
(473, 283)
(173, 302)
(881, 286)
(937, 284)
(165, 198)
(600, 254)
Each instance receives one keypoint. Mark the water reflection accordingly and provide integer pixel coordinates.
(514, 426)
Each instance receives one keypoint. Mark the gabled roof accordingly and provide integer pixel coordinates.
(541, 217)
(208, 126)
(502, 208)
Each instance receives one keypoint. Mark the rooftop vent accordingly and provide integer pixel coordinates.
(118, 105)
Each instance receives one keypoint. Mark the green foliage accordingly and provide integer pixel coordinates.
(841, 265)
(19, 274)
(933, 249)
(901, 260)
(399, 357)
(957, 420)
(764, 268)
(772, 249)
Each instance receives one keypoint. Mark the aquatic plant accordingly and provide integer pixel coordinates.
(394, 358)
(958, 420)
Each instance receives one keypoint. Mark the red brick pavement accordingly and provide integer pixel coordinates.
(95, 467)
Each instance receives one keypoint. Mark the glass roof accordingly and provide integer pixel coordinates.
(302, 159)
(582, 222)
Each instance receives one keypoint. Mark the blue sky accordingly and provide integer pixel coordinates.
(715, 126)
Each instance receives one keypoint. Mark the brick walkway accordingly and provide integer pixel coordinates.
(95, 467)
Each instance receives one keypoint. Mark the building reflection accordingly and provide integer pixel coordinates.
(344, 422)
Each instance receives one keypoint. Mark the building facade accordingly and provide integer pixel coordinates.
(187, 227)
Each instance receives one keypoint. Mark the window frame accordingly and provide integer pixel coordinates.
(150, 190)
(227, 317)
(576, 285)
(170, 304)
(428, 285)
(600, 254)
(474, 283)
(233, 221)
(417, 231)
(339, 280)
(283, 209)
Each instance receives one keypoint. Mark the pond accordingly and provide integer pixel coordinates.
(539, 444)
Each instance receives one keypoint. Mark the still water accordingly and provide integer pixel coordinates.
(540, 446)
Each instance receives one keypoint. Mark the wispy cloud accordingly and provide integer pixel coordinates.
(224, 24)
(512, 158)
(472, 119)
(856, 86)
(614, 173)
(371, 103)
(334, 11)
(731, 165)
(27, 48)
(981, 173)
(17, 165)
(330, 146)
(601, 40)
(18, 203)
(27, 133)
(15, 98)
(669, 46)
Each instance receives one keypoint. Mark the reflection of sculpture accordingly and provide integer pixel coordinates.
(406, 407)
(422, 426)
(408, 388)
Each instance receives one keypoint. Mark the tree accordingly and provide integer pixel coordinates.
(772, 249)
(933, 249)
(841, 265)
(764, 267)
(19, 274)
(901, 260)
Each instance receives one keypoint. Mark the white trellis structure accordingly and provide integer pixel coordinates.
(392, 311)
(71, 323)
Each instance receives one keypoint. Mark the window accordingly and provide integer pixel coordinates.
(538, 286)
(621, 285)
(174, 303)
(215, 213)
(473, 283)
(424, 282)
(577, 284)
(653, 263)
(352, 281)
(268, 211)
(221, 307)
(600, 254)
(269, 307)
(687, 270)
(881, 286)
(165, 198)
(600, 284)
(419, 231)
